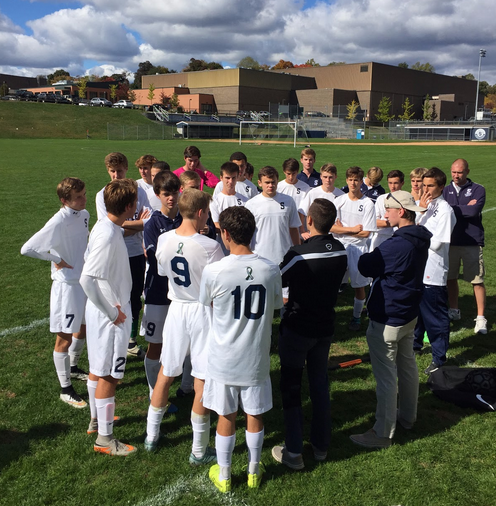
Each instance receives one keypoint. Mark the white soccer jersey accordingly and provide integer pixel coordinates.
(380, 214)
(440, 220)
(106, 259)
(273, 218)
(318, 193)
(143, 184)
(182, 259)
(246, 188)
(355, 212)
(222, 201)
(297, 190)
(244, 291)
(64, 236)
(154, 201)
(134, 243)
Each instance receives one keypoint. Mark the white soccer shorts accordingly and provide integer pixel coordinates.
(67, 305)
(354, 252)
(152, 322)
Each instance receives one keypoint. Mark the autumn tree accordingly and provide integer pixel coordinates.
(113, 91)
(151, 92)
(384, 111)
(424, 67)
(426, 109)
(195, 65)
(248, 63)
(312, 63)
(331, 64)
(131, 95)
(82, 87)
(4, 90)
(407, 113)
(59, 75)
(490, 102)
(164, 99)
(352, 110)
(282, 64)
(174, 101)
(403, 65)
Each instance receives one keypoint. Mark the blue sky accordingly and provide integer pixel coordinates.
(107, 36)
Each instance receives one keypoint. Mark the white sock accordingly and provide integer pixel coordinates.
(357, 307)
(105, 409)
(153, 421)
(201, 434)
(63, 368)
(187, 381)
(75, 350)
(224, 446)
(152, 367)
(481, 317)
(91, 386)
(254, 442)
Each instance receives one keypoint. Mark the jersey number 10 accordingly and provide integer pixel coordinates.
(248, 302)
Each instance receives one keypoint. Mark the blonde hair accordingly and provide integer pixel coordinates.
(375, 175)
(418, 173)
(192, 201)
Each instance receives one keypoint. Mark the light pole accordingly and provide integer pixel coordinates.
(482, 54)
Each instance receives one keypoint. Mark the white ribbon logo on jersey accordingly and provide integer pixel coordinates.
(249, 276)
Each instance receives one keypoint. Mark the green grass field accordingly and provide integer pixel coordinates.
(46, 457)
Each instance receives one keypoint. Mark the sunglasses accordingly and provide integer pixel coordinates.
(390, 195)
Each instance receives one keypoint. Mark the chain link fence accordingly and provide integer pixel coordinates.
(153, 131)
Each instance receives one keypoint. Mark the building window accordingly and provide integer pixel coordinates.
(364, 68)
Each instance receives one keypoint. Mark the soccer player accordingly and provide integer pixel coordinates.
(144, 164)
(355, 222)
(154, 201)
(276, 218)
(243, 289)
(117, 166)
(328, 174)
(227, 197)
(416, 182)
(106, 280)
(308, 174)
(244, 186)
(166, 186)
(192, 157)
(292, 186)
(313, 272)
(397, 267)
(440, 220)
(371, 187)
(62, 241)
(395, 180)
(182, 255)
(467, 240)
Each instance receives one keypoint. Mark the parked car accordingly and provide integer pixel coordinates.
(243, 114)
(123, 104)
(61, 99)
(264, 114)
(100, 102)
(82, 101)
(315, 114)
(46, 97)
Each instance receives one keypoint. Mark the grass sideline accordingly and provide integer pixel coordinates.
(46, 456)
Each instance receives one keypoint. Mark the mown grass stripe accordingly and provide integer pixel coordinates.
(24, 328)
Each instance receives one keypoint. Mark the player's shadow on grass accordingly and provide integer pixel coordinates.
(14, 444)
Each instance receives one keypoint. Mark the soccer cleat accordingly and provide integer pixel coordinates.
(209, 456)
(480, 325)
(255, 479)
(72, 398)
(319, 455)
(78, 374)
(171, 408)
(370, 439)
(223, 486)
(93, 426)
(431, 368)
(282, 456)
(115, 448)
(181, 393)
(137, 352)
(151, 446)
(454, 314)
(354, 324)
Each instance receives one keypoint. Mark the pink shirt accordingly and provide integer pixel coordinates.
(207, 177)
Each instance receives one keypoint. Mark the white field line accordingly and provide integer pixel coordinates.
(25, 328)
(198, 486)
(490, 209)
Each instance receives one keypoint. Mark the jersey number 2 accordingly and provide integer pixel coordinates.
(248, 296)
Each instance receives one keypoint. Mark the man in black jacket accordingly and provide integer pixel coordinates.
(313, 272)
(397, 267)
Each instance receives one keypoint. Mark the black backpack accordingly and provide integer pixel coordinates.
(465, 387)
